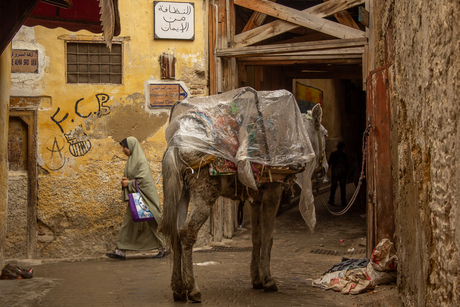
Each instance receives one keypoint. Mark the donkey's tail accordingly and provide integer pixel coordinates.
(172, 189)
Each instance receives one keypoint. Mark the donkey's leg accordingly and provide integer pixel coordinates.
(188, 235)
(270, 203)
(257, 283)
(177, 284)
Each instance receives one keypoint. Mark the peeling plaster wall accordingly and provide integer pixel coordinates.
(425, 126)
(80, 125)
(16, 230)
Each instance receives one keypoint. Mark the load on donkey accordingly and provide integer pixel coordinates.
(244, 145)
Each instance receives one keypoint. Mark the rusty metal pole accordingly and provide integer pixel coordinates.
(5, 87)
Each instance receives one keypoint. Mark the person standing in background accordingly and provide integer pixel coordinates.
(338, 162)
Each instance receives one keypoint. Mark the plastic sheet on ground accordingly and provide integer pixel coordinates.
(381, 269)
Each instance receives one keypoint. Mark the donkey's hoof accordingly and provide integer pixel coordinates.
(270, 286)
(194, 296)
(179, 296)
(258, 285)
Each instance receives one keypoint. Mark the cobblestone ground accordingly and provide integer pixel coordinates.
(221, 273)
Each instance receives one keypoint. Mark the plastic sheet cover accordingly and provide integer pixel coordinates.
(243, 125)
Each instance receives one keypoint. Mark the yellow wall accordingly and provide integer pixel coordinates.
(79, 206)
(5, 71)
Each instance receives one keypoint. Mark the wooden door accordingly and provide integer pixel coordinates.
(380, 211)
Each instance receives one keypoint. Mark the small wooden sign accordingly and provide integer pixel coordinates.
(174, 20)
(24, 61)
(166, 95)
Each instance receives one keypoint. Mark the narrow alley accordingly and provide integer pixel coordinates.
(222, 271)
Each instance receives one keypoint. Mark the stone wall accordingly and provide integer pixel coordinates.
(16, 230)
(425, 144)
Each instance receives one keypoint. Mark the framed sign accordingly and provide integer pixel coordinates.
(166, 94)
(24, 61)
(174, 20)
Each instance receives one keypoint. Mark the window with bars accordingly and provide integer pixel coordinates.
(94, 63)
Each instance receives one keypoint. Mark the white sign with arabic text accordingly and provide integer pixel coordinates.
(174, 20)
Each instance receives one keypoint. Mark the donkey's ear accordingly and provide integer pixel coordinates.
(317, 113)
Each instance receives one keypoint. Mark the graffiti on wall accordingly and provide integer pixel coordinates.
(76, 139)
(56, 158)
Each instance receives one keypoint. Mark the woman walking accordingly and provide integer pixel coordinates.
(139, 236)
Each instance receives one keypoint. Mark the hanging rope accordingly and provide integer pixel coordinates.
(362, 176)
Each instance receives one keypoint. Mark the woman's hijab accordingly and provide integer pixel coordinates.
(135, 159)
(137, 167)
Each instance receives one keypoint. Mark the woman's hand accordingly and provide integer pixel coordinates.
(124, 182)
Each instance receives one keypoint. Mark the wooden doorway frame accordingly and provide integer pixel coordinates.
(230, 52)
(30, 119)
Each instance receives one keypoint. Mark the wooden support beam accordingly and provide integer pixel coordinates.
(256, 20)
(232, 66)
(358, 51)
(363, 16)
(301, 18)
(296, 47)
(306, 57)
(212, 21)
(294, 60)
(345, 19)
(280, 26)
(352, 74)
(222, 42)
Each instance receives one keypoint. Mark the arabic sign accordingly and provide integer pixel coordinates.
(166, 95)
(24, 61)
(174, 20)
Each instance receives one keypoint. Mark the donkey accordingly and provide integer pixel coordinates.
(184, 184)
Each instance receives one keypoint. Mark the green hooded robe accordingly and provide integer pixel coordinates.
(140, 235)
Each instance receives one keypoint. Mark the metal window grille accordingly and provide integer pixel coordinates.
(94, 63)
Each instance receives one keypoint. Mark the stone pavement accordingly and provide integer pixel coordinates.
(222, 273)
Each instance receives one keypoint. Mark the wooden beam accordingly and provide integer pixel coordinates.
(256, 20)
(299, 60)
(353, 74)
(345, 19)
(306, 57)
(222, 42)
(231, 64)
(363, 16)
(280, 26)
(342, 51)
(296, 47)
(212, 21)
(301, 18)
(306, 38)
